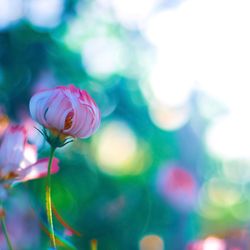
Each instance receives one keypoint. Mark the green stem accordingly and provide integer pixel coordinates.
(48, 199)
(5, 231)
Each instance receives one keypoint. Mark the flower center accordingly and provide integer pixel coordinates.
(68, 120)
(8, 176)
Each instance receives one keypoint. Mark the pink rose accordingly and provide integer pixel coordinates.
(66, 110)
(18, 159)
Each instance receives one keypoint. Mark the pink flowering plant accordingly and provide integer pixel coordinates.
(65, 113)
(18, 163)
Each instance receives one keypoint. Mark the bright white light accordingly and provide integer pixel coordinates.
(10, 11)
(212, 243)
(129, 12)
(103, 56)
(229, 137)
(170, 81)
(223, 51)
(45, 13)
(200, 43)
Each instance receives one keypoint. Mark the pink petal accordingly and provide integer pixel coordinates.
(39, 104)
(29, 155)
(38, 170)
(91, 122)
(58, 110)
(86, 117)
(12, 146)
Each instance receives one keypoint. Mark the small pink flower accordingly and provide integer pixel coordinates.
(18, 159)
(66, 110)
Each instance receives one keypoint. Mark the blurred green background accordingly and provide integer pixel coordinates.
(169, 164)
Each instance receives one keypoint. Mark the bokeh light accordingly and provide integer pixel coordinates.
(178, 186)
(117, 149)
(237, 171)
(151, 242)
(223, 193)
(130, 13)
(103, 56)
(206, 208)
(214, 243)
(46, 13)
(10, 12)
(184, 40)
(210, 243)
(229, 137)
(168, 118)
